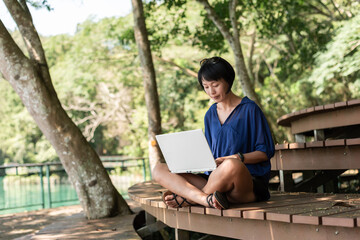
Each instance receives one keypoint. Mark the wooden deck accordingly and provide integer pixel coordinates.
(284, 216)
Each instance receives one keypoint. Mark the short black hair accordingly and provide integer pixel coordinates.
(215, 69)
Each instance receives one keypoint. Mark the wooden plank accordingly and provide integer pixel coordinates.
(162, 205)
(319, 108)
(338, 117)
(172, 208)
(305, 205)
(353, 141)
(261, 213)
(340, 104)
(154, 203)
(315, 216)
(345, 219)
(353, 102)
(197, 209)
(315, 144)
(329, 106)
(233, 212)
(285, 214)
(185, 209)
(346, 157)
(285, 120)
(313, 209)
(281, 146)
(306, 219)
(276, 200)
(336, 142)
(213, 211)
(297, 145)
(310, 109)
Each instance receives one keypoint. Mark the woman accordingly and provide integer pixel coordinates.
(240, 140)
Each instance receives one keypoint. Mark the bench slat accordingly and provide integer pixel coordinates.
(345, 219)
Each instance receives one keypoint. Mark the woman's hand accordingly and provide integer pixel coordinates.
(220, 160)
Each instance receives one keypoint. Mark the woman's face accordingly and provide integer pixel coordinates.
(216, 89)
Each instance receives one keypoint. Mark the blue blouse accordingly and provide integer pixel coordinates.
(245, 130)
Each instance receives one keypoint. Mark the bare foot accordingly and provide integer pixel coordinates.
(175, 201)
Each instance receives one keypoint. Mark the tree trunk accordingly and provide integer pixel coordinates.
(31, 80)
(149, 79)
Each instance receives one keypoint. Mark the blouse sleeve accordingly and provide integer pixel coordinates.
(261, 134)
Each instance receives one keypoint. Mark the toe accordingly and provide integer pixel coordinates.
(216, 204)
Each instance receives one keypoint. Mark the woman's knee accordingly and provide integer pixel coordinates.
(233, 166)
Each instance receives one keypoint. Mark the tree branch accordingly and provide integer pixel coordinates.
(337, 9)
(187, 71)
(232, 13)
(25, 8)
(217, 21)
(319, 11)
(251, 54)
(324, 5)
(22, 17)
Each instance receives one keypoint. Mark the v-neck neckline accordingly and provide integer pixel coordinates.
(228, 117)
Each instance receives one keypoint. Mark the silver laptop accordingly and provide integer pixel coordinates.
(186, 152)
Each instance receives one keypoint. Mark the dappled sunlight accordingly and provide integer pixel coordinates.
(64, 212)
(20, 231)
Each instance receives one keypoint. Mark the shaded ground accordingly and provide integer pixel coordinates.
(65, 223)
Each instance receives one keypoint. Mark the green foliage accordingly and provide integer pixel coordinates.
(21, 140)
(336, 74)
(40, 4)
(165, 21)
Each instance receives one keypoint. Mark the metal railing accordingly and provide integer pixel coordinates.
(34, 186)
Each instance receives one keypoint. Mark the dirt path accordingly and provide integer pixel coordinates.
(65, 223)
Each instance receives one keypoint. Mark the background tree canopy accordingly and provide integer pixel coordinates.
(299, 54)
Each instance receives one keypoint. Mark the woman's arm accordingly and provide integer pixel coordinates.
(249, 158)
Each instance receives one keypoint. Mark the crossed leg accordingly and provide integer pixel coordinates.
(231, 177)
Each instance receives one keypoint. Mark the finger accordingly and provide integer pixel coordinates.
(217, 162)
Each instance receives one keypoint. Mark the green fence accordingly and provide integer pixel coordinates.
(25, 187)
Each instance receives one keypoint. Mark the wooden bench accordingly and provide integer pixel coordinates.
(335, 132)
(284, 216)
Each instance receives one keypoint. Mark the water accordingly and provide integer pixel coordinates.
(24, 193)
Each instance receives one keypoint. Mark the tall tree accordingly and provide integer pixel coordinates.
(31, 80)
(150, 86)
